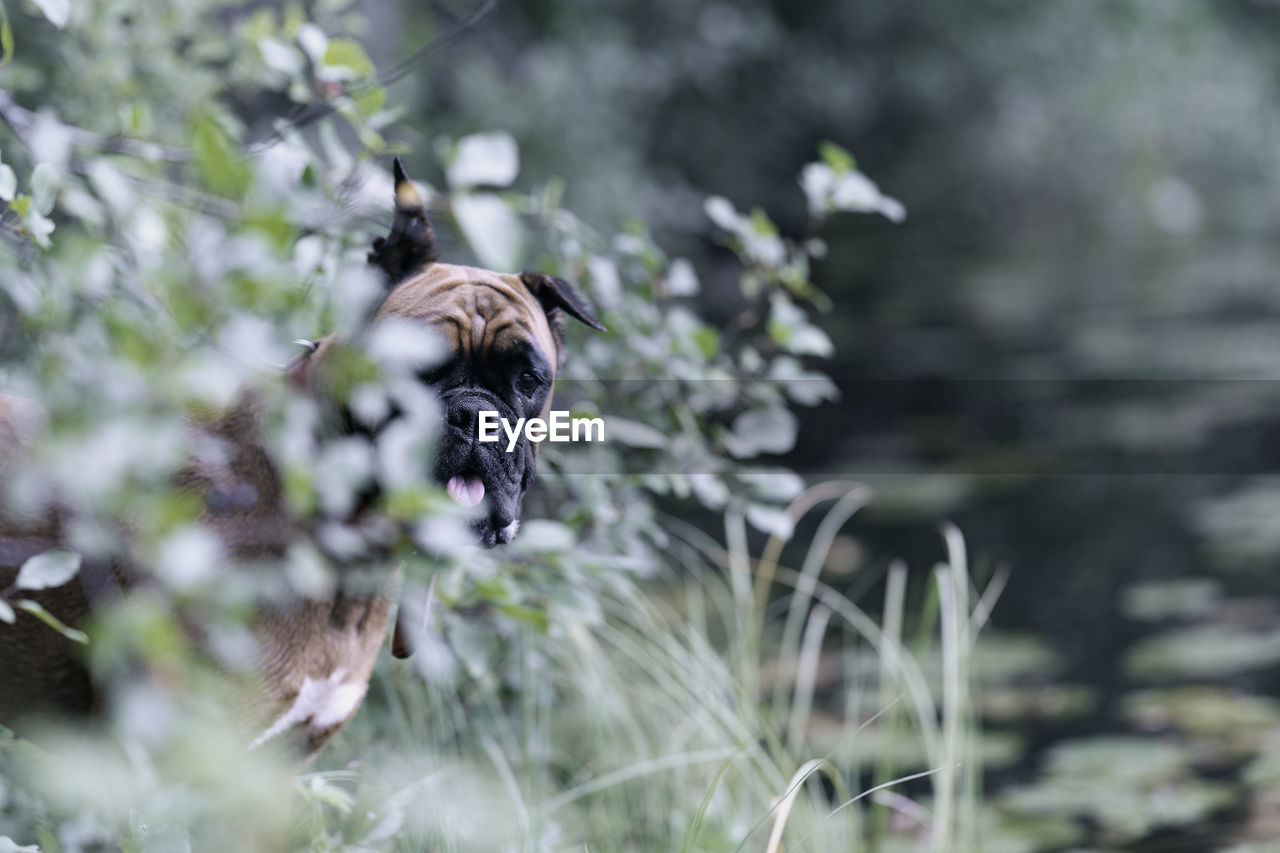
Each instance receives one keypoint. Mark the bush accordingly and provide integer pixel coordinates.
(209, 198)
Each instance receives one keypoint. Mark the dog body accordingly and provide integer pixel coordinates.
(504, 335)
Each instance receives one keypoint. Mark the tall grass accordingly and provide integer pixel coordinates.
(729, 703)
(725, 705)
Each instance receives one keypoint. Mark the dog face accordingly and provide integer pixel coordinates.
(505, 338)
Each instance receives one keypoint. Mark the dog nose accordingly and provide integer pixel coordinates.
(462, 415)
(464, 409)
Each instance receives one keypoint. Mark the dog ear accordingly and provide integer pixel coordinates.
(556, 294)
(410, 245)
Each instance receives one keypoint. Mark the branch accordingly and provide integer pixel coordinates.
(21, 120)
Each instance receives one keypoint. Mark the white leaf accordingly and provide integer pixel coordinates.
(406, 344)
(808, 339)
(110, 185)
(359, 289)
(775, 484)
(816, 179)
(308, 254)
(763, 431)
(343, 468)
(827, 191)
(443, 535)
(8, 182)
(709, 489)
(809, 388)
(313, 41)
(605, 280)
(51, 138)
(764, 247)
(57, 11)
(492, 229)
(720, 211)
(47, 570)
(254, 340)
(280, 56)
(682, 280)
(541, 536)
(45, 183)
(635, 434)
(6, 616)
(189, 557)
(771, 520)
(39, 226)
(403, 455)
(485, 159)
(893, 209)
(855, 191)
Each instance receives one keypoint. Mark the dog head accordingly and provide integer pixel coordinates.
(505, 334)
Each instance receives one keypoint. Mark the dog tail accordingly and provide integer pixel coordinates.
(410, 246)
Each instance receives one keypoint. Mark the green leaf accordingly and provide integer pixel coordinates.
(345, 59)
(348, 53)
(762, 224)
(37, 610)
(839, 159)
(493, 590)
(6, 37)
(371, 101)
(528, 615)
(707, 339)
(50, 569)
(221, 166)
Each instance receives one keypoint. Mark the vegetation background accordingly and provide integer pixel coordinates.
(1066, 349)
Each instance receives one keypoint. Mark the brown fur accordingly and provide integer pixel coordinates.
(306, 642)
(41, 674)
(41, 671)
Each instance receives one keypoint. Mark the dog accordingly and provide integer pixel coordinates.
(505, 337)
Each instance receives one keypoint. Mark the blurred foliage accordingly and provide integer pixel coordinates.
(1070, 347)
(1092, 193)
(168, 230)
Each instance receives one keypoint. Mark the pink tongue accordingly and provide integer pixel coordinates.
(467, 491)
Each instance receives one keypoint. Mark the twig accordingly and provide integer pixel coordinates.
(21, 120)
(307, 113)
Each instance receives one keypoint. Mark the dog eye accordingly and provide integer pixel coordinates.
(528, 382)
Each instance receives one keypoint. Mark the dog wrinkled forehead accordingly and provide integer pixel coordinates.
(477, 310)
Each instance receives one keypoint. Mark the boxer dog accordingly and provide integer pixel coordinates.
(505, 344)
